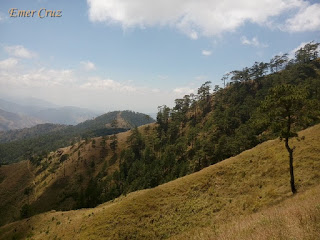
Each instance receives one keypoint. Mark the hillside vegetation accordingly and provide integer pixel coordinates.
(211, 126)
(25, 133)
(69, 178)
(38, 141)
(243, 197)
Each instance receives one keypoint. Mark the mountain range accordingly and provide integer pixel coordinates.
(9, 121)
(31, 112)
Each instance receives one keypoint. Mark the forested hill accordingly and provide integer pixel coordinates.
(31, 132)
(212, 125)
(21, 144)
(119, 119)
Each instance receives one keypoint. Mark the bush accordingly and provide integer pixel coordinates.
(64, 157)
(25, 211)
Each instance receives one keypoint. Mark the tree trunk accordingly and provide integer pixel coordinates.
(290, 151)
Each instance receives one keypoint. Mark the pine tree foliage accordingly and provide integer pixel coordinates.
(210, 126)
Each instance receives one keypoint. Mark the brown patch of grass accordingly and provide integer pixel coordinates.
(295, 218)
(15, 178)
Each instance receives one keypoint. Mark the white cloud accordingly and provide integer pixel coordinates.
(193, 35)
(36, 78)
(193, 17)
(184, 90)
(102, 84)
(16, 75)
(48, 77)
(87, 65)
(206, 53)
(19, 51)
(307, 19)
(71, 87)
(253, 42)
(8, 63)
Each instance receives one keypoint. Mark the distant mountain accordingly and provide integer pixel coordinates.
(17, 145)
(9, 121)
(18, 108)
(36, 102)
(48, 112)
(65, 115)
(117, 119)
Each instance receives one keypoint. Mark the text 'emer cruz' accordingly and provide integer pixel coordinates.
(42, 13)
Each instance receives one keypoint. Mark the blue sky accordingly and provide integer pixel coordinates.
(139, 54)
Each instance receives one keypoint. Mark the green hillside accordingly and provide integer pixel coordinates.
(38, 141)
(25, 133)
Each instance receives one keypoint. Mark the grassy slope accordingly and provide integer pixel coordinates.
(52, 185)
(13, 180)
(294, 218)
(250, 191)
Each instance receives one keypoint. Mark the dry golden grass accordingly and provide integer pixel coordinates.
(294, 218)
(243, 197)
(57, 179)
(120, 122)
(13, 180)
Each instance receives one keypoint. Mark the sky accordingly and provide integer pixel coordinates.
(139, 54)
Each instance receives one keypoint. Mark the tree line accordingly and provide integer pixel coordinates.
(217, 123)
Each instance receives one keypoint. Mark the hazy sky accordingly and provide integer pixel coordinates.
(139, 54)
